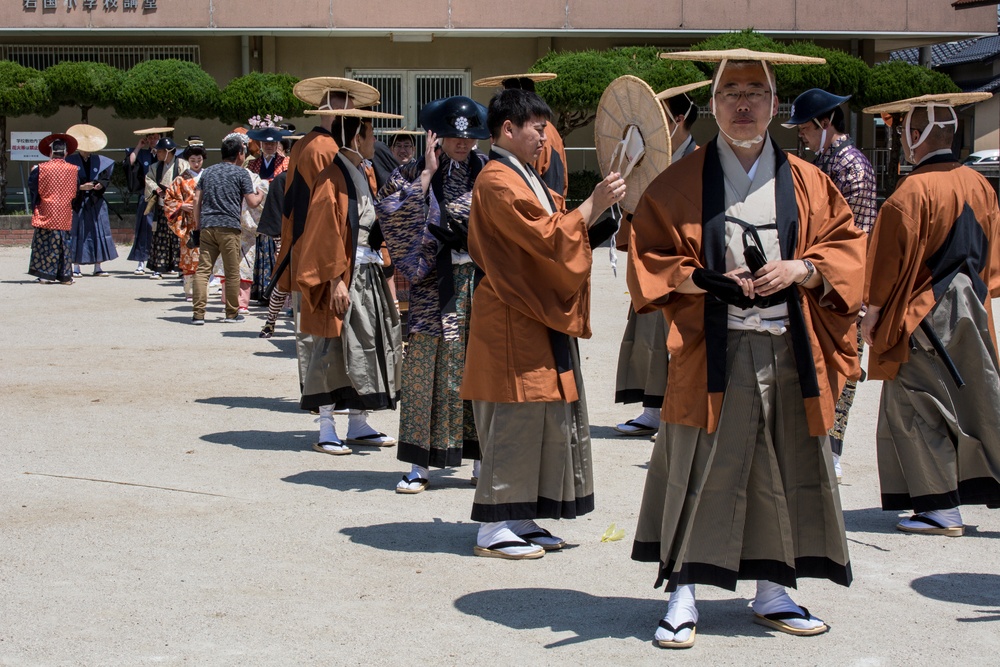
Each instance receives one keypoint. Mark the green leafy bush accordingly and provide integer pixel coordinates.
(83, 84)
(258, 94)
(170, 89)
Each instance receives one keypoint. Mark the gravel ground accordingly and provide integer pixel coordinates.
(159, 504)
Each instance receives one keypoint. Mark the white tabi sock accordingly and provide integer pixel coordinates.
(772, 598)
(650, 417)
(357, 424)
(498, 532)
(680, 609)
(477, 465)
(327, 427)
(417, 472)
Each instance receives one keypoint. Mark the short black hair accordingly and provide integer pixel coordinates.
(516, 105)
(836, 119)
(231, 148)
(680, 105)
(344, 129)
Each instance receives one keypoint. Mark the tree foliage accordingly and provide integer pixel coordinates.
(83, 84)
(898, 79)
(583, 77)
(170, 89)
(23, 91)
(258, 94)
(845, 74)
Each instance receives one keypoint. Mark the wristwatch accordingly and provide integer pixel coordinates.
(810, 270)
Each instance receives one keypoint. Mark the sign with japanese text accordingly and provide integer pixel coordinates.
(24, 146)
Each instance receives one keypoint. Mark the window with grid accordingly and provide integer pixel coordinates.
(41, 56)
(404, 92)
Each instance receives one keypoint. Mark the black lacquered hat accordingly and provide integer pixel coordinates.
(457, 116)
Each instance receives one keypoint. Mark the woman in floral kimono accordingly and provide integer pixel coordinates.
(178, 205)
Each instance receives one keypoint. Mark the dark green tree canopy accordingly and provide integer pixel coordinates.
(584, 76)
(259, 94)
(168, 89)
(898, 80)
(23, 91)
(83, 84)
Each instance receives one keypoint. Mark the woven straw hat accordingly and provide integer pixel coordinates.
(498, 81)
(627, 103)
(152, 130)
(743, 54)
(941, 100)
(681, 90)
(315, 91)
(89, 139)
(359, 113)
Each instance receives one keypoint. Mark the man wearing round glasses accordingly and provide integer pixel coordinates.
(753, 257)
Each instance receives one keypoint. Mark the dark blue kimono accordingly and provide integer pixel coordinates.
(92, 240)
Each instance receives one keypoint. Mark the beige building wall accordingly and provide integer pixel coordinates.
(798, 16)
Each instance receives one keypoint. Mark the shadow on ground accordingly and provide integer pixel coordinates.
(263, 440)
(285, 348)
(435, 536)
(609, 433)
(871, 520)
(591, 617)
(277, 404)
(981, 590)
(358, 481)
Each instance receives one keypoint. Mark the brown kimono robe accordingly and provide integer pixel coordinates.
(354, 360)
(522, 368)
(934, 265)
(751, 495)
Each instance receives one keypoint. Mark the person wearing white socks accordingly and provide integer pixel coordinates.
(522, 370)
(424, 213)
(346, 305)
(752, 271)
(930, 327)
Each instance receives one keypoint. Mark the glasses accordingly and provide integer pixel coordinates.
(899, 130)
(733, 96)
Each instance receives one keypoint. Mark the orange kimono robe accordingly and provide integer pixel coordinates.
(536, 287)
(551, 163)
(310, 155)
(911, 226)
(327, 252)
(679, 226)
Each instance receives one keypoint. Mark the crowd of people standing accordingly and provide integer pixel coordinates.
(755, 279)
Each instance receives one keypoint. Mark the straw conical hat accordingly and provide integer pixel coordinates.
(941, 99)
(314, 91)
(629, 101)
(743, 54)
(412, 133)
(153, 130)
(355, 113)
(89, 139)
(681, 90)
(494, 81)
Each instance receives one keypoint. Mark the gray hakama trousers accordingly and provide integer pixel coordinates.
(536, 458)
(756, 499)
(642, 360)
(361, 368)
(938, 445)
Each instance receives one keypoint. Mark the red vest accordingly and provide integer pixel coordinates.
(57, 187)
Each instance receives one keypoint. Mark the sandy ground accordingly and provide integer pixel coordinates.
(159, 504)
